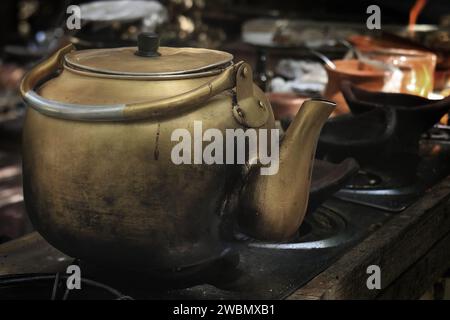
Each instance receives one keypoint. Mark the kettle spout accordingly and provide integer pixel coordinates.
(273, 206)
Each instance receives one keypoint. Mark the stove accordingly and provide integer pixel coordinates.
(395, 186)
(265, 270)
(37, 287)
(250, 269)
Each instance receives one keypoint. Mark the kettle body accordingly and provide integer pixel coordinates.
(100, 183)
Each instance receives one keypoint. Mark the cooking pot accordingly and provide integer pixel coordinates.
(100, 183)
(357, 72)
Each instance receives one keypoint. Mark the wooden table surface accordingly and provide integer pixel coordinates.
(412, 250)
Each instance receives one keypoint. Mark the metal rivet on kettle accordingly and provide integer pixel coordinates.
(261, 104)
(244, 72)
(240, 112)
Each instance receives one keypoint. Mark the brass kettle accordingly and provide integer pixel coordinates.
(99, 182)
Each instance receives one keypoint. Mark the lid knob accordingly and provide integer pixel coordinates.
(148, 44)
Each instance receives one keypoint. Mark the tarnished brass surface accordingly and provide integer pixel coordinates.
(274, 205)
(32, 78)
(123, 61)
(248, 110)
(108, 192)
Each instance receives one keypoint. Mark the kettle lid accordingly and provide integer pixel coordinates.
(148, 59)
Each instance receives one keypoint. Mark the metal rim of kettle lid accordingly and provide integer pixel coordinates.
(98, 74)
(222, 60)
(119, 112)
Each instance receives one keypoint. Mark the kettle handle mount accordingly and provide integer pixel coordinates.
(246, 110)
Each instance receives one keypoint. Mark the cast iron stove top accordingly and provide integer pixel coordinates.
(395, 185)
(265, 270)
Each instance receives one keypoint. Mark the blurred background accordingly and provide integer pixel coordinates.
(298, 50)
